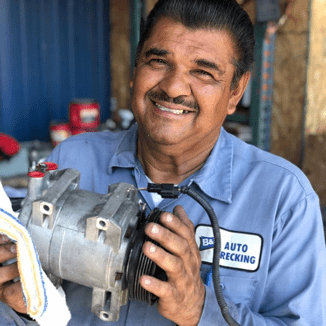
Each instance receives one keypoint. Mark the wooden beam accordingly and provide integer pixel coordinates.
(315, 127)
(120, 52)
(289, 84)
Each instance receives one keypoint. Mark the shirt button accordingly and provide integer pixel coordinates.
(222, 286)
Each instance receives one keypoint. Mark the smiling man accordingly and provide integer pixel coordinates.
(192, 67)
(182, 92)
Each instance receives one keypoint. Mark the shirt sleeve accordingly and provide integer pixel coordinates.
(29, 322)
(10, 318)
(295, 291)
(54, 156)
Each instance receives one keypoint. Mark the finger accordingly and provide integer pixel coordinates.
(182, 215)
(186, 250)
(8, 273)
(171, 264)
(7, 252)
(12, 295)
(172, 242)
(179, 224)
(171, 303)
(4, 239)
(181, 308)
(174, 235)
(159, 288)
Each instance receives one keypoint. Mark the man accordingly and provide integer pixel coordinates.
(192, 68)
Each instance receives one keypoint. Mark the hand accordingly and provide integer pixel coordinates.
(181, 298)
(10, 293)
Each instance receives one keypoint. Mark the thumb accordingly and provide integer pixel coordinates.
(179, 212)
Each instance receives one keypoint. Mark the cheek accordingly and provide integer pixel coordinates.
(211, 102)
(145, 79)
(213, 110)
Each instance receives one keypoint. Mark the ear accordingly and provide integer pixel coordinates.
(131, 82)
(237, 92)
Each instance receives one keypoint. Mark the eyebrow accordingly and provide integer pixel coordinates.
(157, 52)
(200, 62)
(210, 65)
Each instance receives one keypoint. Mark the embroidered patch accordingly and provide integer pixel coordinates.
(239, 250)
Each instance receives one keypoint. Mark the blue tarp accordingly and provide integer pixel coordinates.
(51, 52)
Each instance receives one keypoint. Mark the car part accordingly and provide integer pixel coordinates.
(96, 240)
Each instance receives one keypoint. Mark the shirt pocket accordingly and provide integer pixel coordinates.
(238, 290)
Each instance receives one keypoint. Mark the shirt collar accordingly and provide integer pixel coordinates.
(214, 178)
(125, 155)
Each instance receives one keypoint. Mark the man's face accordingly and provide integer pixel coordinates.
(181, 88)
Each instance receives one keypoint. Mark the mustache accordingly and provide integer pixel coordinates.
(162, 96)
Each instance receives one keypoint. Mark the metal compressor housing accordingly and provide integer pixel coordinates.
(81, 236)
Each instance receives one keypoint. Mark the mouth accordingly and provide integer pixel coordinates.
(165, 109)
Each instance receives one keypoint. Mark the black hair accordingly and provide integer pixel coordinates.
(225, 15)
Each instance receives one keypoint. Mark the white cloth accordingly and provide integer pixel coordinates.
(44, 302)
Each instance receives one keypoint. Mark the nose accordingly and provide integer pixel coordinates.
(175, 83)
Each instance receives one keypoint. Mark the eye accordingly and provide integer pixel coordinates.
(204, 73)
(157, 63)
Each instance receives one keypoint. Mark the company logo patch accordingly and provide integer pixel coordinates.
(206, 243)
(238, 250)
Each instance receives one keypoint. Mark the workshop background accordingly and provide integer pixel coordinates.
(57, 56)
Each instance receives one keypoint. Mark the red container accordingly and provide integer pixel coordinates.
(84, 114)
(59, 131)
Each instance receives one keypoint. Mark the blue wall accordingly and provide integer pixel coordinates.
(50, 52)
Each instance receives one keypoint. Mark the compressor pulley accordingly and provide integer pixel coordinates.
(139, 264)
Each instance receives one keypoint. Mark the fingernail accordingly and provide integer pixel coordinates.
(13, 249)
(152, 249)
(169, 218)
(147, 282)
(4, 238)
(155, 229)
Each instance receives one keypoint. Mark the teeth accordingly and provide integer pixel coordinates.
(162, 108)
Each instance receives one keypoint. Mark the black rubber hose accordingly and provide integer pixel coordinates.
(217, 250)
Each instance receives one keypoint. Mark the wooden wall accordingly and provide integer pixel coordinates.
(299, 85)
(316, 78)
(289, 84)
(120, 52)
(150, 4)
(315, 127)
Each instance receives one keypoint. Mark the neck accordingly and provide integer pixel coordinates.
(171, 163)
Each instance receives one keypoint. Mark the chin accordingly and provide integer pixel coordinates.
(162, 137)
(164, 140)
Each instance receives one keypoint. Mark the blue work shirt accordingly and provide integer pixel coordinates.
(272, 261)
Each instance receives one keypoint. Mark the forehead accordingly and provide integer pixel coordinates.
(174, 37)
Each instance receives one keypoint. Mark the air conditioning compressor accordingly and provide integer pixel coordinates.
(96, 240)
